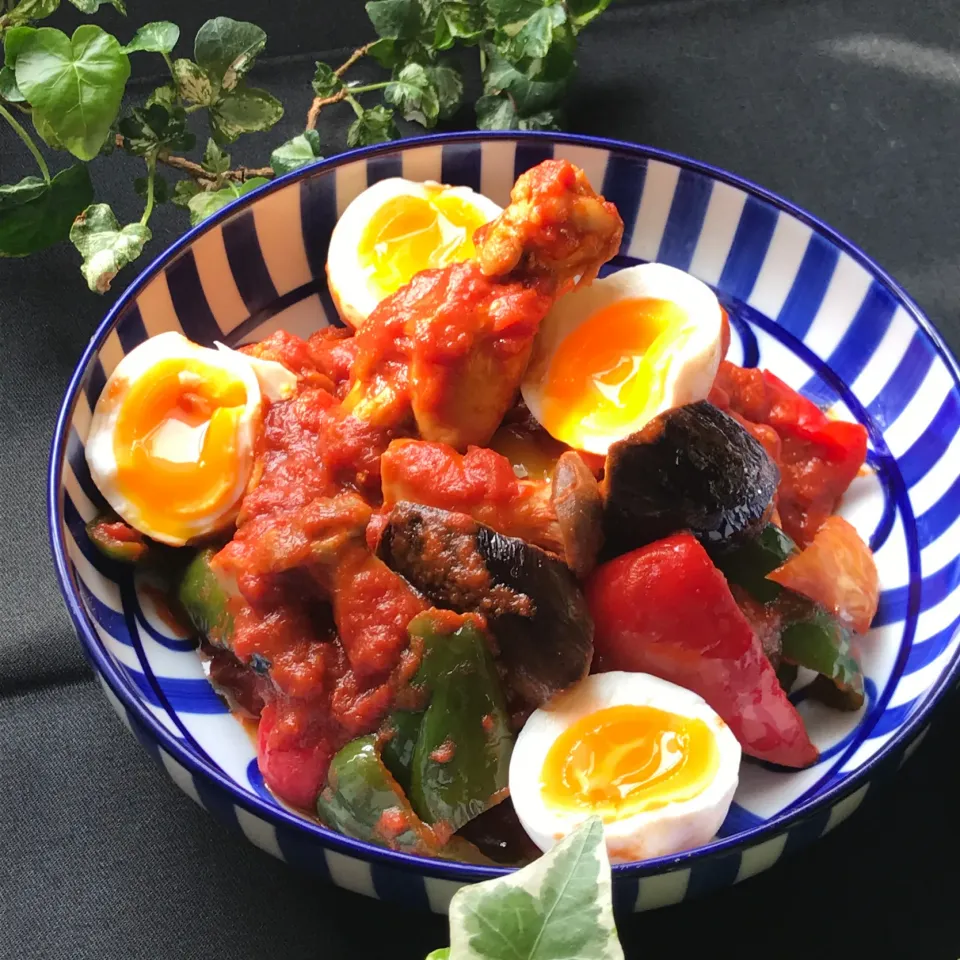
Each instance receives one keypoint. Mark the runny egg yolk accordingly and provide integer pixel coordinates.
(413, 233)
(626, 760)
(610, 371)
(175, 443)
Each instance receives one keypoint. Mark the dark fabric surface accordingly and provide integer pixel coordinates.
(849, 108)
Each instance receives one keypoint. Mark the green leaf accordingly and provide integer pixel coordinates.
(414, 93)
(205, 203)
(92, 6)
(9, 90)
(156, 127)
(74, 85)
(385, 52)
(544, 120)
(535, 37)
(166, 96)
(510, 15)
(215, 161)
(245, 110)
(496, 112)
(33, 219)
(583, 11)
(325, 82)
(184, 191)
(158, 37)
(105, 246)
(194, 83)
(161, 189)
(13, 41)
(372, 126)
(227, 49)
(301, 150)
(16, 194)
(442, 954)
(449, 87)
(529, 95)
(558, 908)
(27, 10)
(394, 19)
(457, 21)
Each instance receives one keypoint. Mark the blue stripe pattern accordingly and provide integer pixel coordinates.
(921, 566)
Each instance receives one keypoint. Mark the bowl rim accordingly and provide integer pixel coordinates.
(428, 866)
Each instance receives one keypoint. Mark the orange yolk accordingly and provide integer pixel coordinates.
(626, 760)
(409, 234)
(610, 372)
(175, 444)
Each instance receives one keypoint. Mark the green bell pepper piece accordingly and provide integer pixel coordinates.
(454, 755)
(748, 565)
(362, 800)
(121, 550)
(821, 642)
(204, 600)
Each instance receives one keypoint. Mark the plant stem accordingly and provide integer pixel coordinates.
(151, 183)
(28, 140)
(357, 109)
(320, 102)
(483, 59)
(168, 61)
(368, 87)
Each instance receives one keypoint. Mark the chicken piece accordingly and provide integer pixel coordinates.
(556, 230)
(562, 517)
(451, 347)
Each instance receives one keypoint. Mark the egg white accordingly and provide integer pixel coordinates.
(348, 281)
(279, 384)
(654, 833)
(692, 369)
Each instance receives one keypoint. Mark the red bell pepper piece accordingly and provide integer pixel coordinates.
(665, 609)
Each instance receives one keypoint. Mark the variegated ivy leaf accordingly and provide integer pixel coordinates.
(226, 49)
(92, 6)
(301, 150)
(105, 246)
(27, 10)
(207, 202)
(244, 110)
(193, 83)
(158, 37)
(558, 908)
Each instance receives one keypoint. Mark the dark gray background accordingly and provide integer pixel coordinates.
(849, 108)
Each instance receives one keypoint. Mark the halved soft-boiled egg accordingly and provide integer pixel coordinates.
(171, 442)
(395, 229)
(651, 759)
(611, 356)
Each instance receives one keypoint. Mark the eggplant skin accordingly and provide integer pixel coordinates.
(532, 601)
(692, 468)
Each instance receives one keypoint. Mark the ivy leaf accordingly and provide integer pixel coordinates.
(298, 152)
(92, 6)
(449, 87)
(27, 10)
(158, 37)
(442, 954)
(157, 127)
(559, 907)
(544, 120)
(105, 246)
(245, 110)
(583, 11)
(74, 85)
(226, 49)
(205, 203)
(385, 52)
(325, 82)
(194, 83)
(394, 19)
(496, 112)
(166, 96)
(9, 90)
(184, 191)
(529, 95)
(161, 190)
(510, 15)
(372, 126)
(33, 218)
(215, 161)
(414, 93)
(535, 37)
(457, 20)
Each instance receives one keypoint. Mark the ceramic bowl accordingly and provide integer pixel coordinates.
(803, 301)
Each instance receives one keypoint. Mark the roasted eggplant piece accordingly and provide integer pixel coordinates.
(578, 505)
(693, 468)
(532, 601)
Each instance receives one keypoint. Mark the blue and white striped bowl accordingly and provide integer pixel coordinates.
(803, 301)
